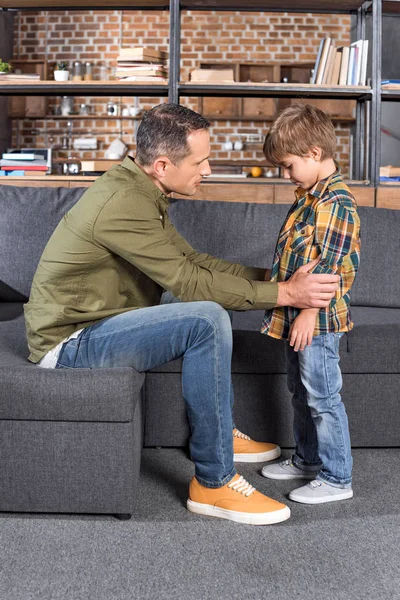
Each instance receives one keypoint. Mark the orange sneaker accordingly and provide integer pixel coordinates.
(246, 450)
(236, 501)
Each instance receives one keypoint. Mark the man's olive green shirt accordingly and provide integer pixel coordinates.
(116, 250)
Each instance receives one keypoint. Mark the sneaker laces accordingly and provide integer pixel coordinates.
(315, 484)
(242, 486)
(241, 435)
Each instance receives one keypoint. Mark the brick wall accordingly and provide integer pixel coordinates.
(96, 36)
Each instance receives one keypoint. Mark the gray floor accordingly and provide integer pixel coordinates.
(343, 551)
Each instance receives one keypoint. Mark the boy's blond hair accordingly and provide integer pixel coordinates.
(296, 130)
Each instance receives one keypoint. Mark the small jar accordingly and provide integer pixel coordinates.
(77, 71)
(103, 73)
(88, 71)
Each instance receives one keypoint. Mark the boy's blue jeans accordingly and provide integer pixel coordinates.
(201, 332)
(320, 426)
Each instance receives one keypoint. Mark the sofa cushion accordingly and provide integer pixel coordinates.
(247, 233)
(29, 392)
(378, 282)
(28, 217)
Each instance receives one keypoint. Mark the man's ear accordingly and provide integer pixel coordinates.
(161, 166)
(316, 153)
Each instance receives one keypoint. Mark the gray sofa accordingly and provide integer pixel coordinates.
(70, 441)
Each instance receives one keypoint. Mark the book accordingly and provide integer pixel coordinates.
(334, 80)
(344, 65)
(19, 77)
(21, 163)
(364, 60)
(144, 79)
(350, 68)
(141, 51)
(329, 65)
(16, 155)
(322, 63)
(123, 74)
(212, 75)
(25, 168)
(358, 45)
(317, 61)
(127, 72)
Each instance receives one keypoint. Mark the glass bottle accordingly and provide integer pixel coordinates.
(103, 74)
(88, 71)
(77, 71)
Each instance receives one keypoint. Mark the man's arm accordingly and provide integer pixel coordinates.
(135, 232)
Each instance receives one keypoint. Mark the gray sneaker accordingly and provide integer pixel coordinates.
(287, 470)
(318, 492)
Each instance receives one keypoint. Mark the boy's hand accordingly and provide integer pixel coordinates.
(302, 329)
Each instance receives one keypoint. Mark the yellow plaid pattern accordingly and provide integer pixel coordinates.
(322, 222)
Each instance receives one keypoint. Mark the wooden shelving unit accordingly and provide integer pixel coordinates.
(366, 97)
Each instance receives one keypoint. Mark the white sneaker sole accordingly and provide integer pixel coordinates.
(269, 518)
(285, 476)
(347, 494)
(258, 457)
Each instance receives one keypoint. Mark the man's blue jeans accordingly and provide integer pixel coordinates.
(201, 333)
(320, 427)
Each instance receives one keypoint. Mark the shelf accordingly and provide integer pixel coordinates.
(309, 6)
(391, 7)
(77, 117)
(85, 4)
(393, 94)
(74, 88)
(269, 119)
(287, 90)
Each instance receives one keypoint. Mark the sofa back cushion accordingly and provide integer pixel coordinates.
(28, 217)
(247, 233)
(378, 279)
(240, 232)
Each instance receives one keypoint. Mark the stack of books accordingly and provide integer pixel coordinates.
(23, 163)
(345, 65)
(142, 65)
(25, 77)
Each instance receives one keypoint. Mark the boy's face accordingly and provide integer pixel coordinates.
(303, 171)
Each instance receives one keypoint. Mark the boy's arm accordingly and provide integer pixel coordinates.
(337, 230)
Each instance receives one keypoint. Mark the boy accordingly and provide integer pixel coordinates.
(323, 221)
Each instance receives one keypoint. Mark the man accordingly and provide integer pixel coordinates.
(95, 302)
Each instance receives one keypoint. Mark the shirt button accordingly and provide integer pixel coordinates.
(161, 217)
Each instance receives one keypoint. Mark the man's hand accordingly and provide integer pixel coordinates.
(302, 329)
(306, 290)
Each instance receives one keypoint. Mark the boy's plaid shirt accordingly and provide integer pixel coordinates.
(322, 222)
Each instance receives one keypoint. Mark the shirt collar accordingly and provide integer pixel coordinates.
(320, 187)
(148, 185)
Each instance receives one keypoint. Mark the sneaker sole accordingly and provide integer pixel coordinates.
(270, 518)
(285, 476)
(323, 500)
(259, 457)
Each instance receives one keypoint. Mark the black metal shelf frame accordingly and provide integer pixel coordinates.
(368, 112)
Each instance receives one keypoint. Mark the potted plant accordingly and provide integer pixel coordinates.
(61, 72)
(4, 66)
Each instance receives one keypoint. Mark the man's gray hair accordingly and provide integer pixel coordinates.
(164, 131)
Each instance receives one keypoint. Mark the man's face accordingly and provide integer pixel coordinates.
(303, 171)
(186, 177)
